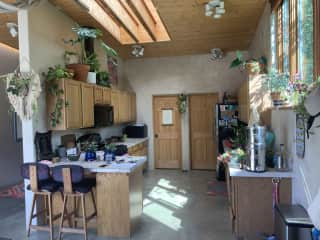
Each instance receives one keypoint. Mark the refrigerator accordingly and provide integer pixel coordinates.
(226, 123)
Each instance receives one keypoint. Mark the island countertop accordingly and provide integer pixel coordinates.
(129, 165)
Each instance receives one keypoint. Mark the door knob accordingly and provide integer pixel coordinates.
(156, 135)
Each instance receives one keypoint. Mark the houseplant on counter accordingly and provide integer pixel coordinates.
(109, 153)
(252, 65)
(81, 69)
(52, 77)
(90, 149)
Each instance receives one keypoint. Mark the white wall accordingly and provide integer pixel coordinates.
(306, 171)
(11, 151)
(260, 45)
(174, 75)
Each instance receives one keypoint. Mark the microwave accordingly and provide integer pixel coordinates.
(103, 115)
(138, 130)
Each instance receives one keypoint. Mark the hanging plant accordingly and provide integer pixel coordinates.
(53, 76)
(23, 89)
(182, 103)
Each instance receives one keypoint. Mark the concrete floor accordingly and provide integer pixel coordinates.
(176, 207)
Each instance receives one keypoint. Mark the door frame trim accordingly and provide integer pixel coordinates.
(189, 120)
(153, 130)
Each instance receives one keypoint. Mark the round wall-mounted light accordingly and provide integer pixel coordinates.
(13, 29)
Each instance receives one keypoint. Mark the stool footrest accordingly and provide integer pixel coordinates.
(72, 230)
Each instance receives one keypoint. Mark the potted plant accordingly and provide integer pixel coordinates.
(109, 153)
(277, 84)
(90, 149)
(103, 79)
(52, 78)
(23, 90)
(252, 65)
(94, 64)
(81, 68)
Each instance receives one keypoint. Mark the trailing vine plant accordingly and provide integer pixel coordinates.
(53, 76)
(182, 103)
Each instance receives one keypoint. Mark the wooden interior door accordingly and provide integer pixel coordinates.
(167, 132)
(202, 136)
(74, 109)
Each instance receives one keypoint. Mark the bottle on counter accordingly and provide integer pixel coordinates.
(280, 159)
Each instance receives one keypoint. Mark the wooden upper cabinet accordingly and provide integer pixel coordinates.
(115, 104)
(106, 95)
(73, 108)
(98, 95)
(122, 106)
(87, 91)
(81, 98)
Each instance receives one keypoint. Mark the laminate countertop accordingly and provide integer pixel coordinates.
(129, 164)
(235, 171)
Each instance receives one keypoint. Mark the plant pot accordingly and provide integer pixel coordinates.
(253, 67)
(276, 96)
(92, 77)
(80, 71)
(90, 156)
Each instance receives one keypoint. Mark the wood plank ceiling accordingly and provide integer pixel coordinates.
(5, 36)
(191, 32)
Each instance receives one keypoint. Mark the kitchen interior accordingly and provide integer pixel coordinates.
(152, 119)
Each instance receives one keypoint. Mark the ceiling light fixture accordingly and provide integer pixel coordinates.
(215, 8)
(13, 29)
(137, 51)
(216, 54)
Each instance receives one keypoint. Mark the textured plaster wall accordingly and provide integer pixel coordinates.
(174, 75)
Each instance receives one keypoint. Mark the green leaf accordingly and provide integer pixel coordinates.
(235, 63)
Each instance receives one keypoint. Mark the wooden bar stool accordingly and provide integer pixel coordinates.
(75, 186)
(42, 185)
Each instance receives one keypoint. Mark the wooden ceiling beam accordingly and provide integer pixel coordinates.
(132, 24)
(106, 21)
(150, 17)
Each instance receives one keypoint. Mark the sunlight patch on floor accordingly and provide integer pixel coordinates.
(162, 215)
(172, 199)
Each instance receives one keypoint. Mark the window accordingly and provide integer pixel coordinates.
(305, 40)
(295, 45)
(285, 36)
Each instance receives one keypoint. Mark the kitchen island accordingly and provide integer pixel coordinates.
(250, 196)
(119, 195)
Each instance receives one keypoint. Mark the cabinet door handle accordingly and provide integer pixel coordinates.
(156, 136)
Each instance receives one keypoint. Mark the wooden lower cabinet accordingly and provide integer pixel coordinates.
(251, 205)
